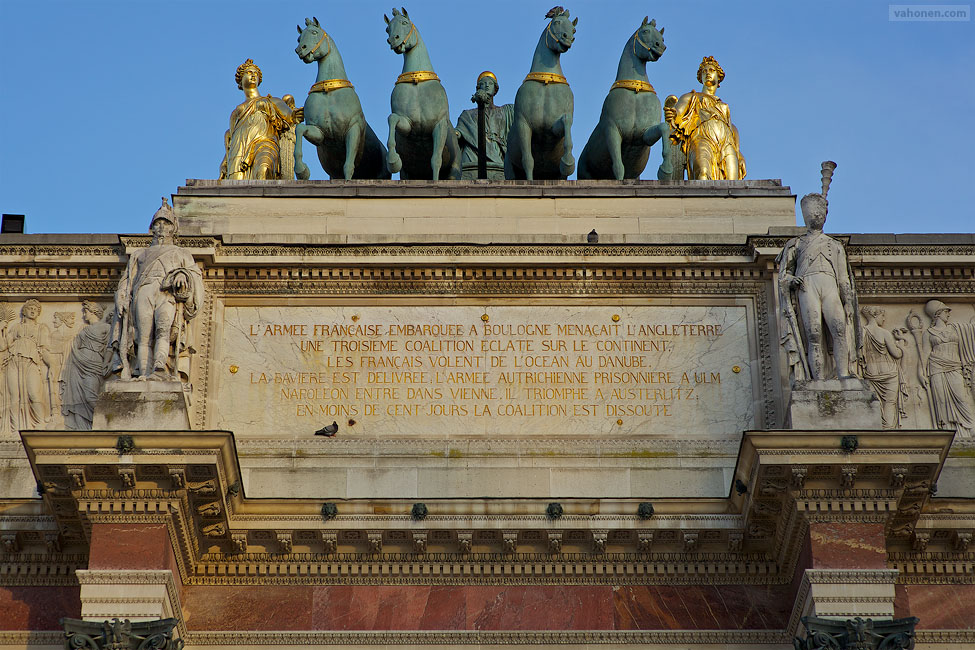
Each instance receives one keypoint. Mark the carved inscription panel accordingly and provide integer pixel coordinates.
(429, 371)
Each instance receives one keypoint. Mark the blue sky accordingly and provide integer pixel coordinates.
(108, 105)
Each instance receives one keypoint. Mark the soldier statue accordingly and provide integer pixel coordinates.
(160, 290)
(816, 289)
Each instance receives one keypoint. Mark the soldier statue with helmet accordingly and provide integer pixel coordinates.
(159, 292)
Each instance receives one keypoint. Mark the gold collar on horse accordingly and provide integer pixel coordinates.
(635, 85)
(417, 76)
(546, 78)
(328, 85)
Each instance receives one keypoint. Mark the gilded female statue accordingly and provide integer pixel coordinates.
(260, 142)
(948, 354)
(701, 124)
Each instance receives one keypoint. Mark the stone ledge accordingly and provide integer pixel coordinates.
(530, 189)
(460, 211)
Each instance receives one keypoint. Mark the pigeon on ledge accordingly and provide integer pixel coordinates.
(328, 430)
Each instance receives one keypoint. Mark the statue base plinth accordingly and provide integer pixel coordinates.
(141, 405)
(831, 404)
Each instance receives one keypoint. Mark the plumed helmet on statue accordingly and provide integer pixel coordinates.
(826, 170)
(165, 212)
(932, 307)
(816, 203)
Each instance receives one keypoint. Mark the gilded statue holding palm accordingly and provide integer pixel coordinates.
(260, 142)
(701, 125)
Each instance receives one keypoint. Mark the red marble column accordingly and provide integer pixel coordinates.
(847, 545)
(131, 546)
(136, 561)
(846, 571)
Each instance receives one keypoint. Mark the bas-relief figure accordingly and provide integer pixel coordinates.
(629, 124)
(931, 364)
(62, 334)
(817, 296)
(347, 146)
(701, 126)
(261, 139)
(946, 361)
(26, 367)
(85, 368)
(159, 292)
(540, 140)
(882, 353)
(497, 123)
(422, 141)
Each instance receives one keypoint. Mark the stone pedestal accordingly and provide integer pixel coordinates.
(847, 593)
(132, 574)
(141, 405)
(847, 576)
(145, 595)
(833, 404)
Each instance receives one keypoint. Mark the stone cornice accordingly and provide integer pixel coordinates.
(398, 189)
(191, 482)
(897, 261)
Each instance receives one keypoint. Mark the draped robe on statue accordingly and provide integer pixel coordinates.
(27, 398)
(497, 123)
(260, 131)
(949, 371)
(883, 374)
(146, 293)
(707, 136)
(83, 375)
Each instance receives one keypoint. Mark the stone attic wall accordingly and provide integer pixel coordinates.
(481, 357)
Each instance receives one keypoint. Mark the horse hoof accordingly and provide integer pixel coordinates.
(395, 164)
(302, 172)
